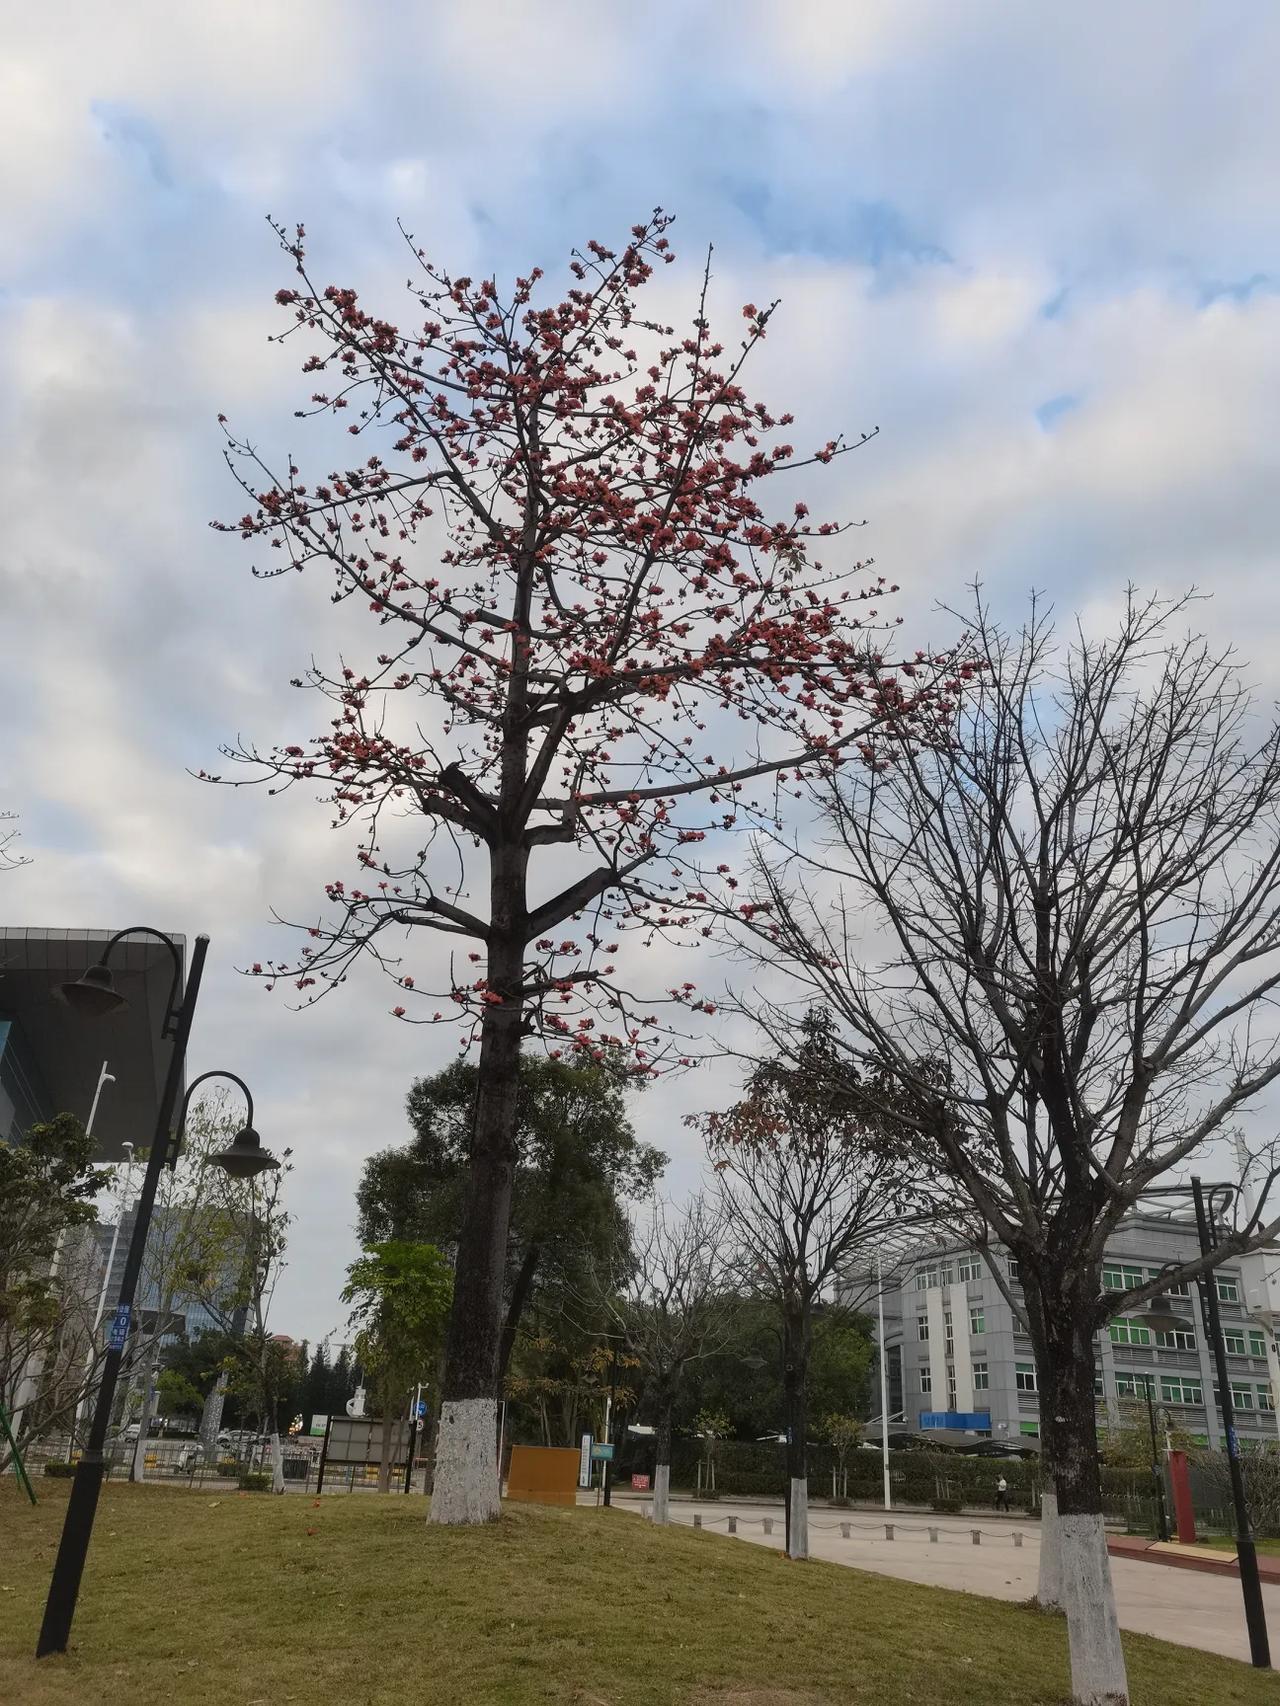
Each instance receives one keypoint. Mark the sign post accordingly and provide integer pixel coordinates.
(584, 1462)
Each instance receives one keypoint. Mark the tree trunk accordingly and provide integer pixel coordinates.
(466, 1472)
(384, 1458)
(520, 1290)
(662, 1464)
(137, 1469)
(794, 1373)
(1049, 1585)
(211, 1419)
(1061, 1318)
(277, 1463)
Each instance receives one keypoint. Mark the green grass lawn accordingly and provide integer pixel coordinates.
(246, 1600)
(1227, 1543)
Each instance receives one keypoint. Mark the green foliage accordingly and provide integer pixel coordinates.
(177, 1396)
(1126, 1444)
(401, 1292)
(47, 1183)
(751, 1396)
(256, 1481)
(47, 1186)
(842, 1432)
(576, 1157)
(60, 1471)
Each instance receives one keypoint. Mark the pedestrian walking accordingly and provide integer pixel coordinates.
(1002, 1494)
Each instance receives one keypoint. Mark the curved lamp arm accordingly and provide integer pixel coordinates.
(171, 1013)
(186, 1103)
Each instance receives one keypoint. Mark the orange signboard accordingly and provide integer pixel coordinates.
(543, 1475)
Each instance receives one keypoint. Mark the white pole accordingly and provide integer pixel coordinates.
(104, 1077)
(122, 1208)
(884, 1383)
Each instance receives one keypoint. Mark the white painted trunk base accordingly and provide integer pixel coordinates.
(662, 1493)
(1049, 1590)
(277, 1465)
(1098, 1675)
(465, 1489)
(798, 1546)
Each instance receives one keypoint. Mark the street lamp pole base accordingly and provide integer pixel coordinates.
(64, 1588)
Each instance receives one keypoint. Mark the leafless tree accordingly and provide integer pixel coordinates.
(10, 858)
(667, 1301)
(1056, 940)
(808, 1187)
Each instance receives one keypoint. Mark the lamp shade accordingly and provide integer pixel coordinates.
(245, 1157)
(93, 995)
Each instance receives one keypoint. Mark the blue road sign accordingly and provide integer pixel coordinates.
(602, 1453)
(119, 1327)
(422, 1408)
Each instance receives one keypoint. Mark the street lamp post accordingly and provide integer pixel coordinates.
(1246, 1552)
(1157, 1473)
(95, 995)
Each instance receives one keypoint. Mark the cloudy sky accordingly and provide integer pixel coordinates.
(1039, 248)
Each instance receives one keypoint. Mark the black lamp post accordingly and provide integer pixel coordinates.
(93, 996)
(1246, 1551)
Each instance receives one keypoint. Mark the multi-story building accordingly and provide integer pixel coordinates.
(958, 1363)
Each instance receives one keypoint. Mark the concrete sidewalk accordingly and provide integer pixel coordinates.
(1190, 1608)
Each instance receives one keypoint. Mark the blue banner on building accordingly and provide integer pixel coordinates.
(967, 1421)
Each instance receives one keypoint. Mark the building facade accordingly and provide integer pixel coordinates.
(958, 1364)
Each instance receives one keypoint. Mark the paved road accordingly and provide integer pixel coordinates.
(1186, 1606)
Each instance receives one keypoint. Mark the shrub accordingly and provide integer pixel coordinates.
(951, 1505)
(228, 1467)
(60, 1471)
(255, 1482)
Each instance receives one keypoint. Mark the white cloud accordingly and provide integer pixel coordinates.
(969, 215)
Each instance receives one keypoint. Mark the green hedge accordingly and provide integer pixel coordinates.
(757, 1469)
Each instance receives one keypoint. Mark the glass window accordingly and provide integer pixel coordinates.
(981, 1380)
(1134, 1385)
(1181, 1289)
(922, 1327)
(1241, 1396)
(969, 1268)
(1030, 1429)
(944, 1274)
(1014, 1273)
(1233, 1339)
(1178, 1340)
(1257, 1345)
(1228, 1288)
(1025, 1376)
(1178, 1389)
(951, 1390)
(926, 1380)
(947, 1326)
(1118, 1276)
(977, 1322)
(1099, 1386)
(1125, 1331)
(1266, 1399)
(925, 1278)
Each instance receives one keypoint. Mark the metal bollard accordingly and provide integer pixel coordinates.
(733, 1525)
(975, 1534)
(1017, 1538)
(888, 1531)
(768, 1524)
(845, 1531)
(933, 1536)
(697, 1519)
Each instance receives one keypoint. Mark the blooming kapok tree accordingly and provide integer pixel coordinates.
(597, 652)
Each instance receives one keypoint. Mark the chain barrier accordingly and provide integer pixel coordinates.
(889, 1530)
